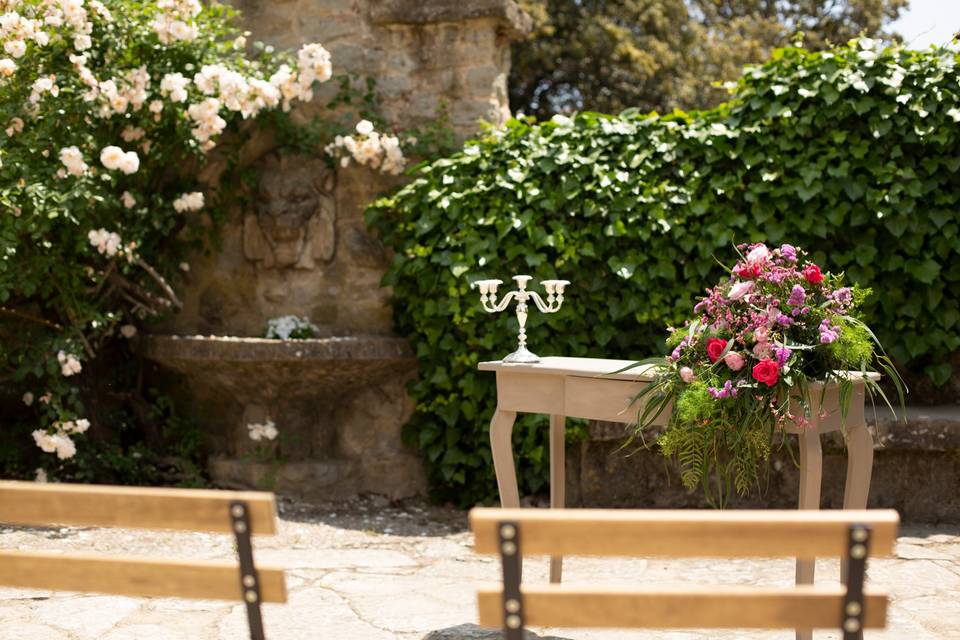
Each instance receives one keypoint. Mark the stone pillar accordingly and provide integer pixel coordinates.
(302, 248)
(422, 53)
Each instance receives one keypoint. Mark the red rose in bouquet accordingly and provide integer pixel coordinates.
(767, 372)
(715, 347)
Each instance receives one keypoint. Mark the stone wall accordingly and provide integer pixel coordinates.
(302, 248)
(916, 470)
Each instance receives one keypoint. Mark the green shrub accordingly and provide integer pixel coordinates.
(851, 153)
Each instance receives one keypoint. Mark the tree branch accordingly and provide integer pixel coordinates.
(163, 283)
(31, 318)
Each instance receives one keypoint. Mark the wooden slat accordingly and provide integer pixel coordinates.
(202, 580)
(31, 503)
(676, 533)
(809, 607)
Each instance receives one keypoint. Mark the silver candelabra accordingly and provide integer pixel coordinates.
(488, 298)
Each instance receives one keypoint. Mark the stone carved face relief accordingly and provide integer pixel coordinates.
(294, 222)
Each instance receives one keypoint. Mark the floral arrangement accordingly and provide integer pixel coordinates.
(109, 115)
(743, 367)
(291, 328)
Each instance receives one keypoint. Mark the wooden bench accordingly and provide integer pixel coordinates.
(511, 533)
(237, 513)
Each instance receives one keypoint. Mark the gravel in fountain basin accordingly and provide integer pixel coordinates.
(266, 366)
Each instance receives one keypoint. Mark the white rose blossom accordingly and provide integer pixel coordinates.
(106, 242)
(369, 148)
(174, 86)
(130, 162)
(72, 159)
(69, 364)
(59, 443)
(189, 202)
(110, 157)
(206, 116)
(15, 48)
(82, 42)
(15, 126)
(115, 158)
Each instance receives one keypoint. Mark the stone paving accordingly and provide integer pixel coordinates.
(368, 570)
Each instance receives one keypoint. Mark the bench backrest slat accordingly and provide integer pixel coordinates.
(205, 580)
(811, 607)
(677, 533)
(30, 503)
(852, 535)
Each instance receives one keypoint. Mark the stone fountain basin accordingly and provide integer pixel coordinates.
(258, 367)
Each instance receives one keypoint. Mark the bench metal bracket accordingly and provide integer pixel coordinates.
(858, 547)
(511, 561)
(249, 578)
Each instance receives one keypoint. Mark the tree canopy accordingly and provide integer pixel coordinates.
(666, 54)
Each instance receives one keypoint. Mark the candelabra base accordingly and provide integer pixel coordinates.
(522, 355)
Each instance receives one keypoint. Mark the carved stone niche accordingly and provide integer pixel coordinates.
(294, 223)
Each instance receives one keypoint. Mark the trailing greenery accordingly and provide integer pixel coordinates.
(853, 153)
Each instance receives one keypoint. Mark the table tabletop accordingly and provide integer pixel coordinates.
(579, 367)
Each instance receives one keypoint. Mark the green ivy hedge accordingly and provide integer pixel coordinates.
(852, 154)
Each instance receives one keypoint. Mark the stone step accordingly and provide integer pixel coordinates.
(935, 428)
(920, 428)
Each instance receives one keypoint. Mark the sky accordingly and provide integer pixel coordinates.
(927, 22)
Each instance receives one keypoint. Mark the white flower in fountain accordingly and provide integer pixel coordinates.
(291, 328)
(263, 431)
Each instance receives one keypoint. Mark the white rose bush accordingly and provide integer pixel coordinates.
(108, 112)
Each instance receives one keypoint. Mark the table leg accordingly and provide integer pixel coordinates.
(557, 480)
(859, 472)
(501, 432)
(811, 475)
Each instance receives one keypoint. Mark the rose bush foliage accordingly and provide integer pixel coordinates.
(852, 153)
(109, 112)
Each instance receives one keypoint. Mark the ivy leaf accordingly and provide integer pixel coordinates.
(926, 271)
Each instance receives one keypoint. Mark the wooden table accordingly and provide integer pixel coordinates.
(587, 388)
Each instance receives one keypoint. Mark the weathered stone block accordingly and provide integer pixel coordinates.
(514, 20)
(479, 80)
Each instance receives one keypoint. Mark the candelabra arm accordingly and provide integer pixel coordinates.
(500, 306)
(543, 306)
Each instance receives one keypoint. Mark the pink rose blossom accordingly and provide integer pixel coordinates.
(762, 350)
(759, 255)
(734, 360)
(686, 374)
(740, 289)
